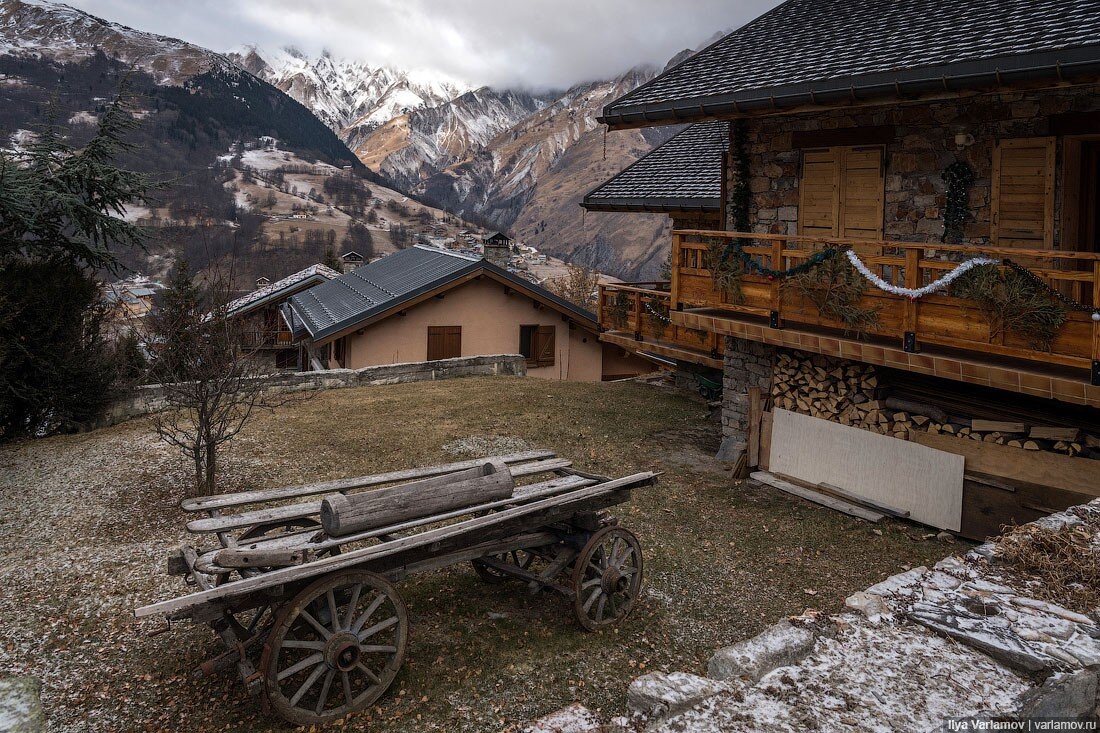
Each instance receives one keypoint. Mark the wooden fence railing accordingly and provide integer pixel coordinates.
(642, 309)
(940, 318)
(269, 339)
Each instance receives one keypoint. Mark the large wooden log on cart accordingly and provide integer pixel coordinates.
(344, 514)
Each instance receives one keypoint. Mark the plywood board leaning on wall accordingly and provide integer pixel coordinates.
(926, 482)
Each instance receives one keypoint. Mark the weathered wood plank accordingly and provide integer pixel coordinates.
(221, 501)
(1081, 475)
(343, 514)
(356, 557)
(229, 522)
(770, 479)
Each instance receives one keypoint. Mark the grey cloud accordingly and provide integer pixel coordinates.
(528, 43)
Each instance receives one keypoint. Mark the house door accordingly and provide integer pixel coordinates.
(1088, 239)
(1081, 209)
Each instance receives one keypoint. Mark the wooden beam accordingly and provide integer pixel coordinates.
(788, 487)
(846, 136)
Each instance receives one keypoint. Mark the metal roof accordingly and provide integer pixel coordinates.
(388, 283)
(682, 174)
(818, 51)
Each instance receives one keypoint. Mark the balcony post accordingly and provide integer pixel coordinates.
(600, 295)
(637, 316)
(1095, 380)
(776, 318)
(912, 281)
(674, 284)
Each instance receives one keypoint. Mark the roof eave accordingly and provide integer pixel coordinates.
(652, 205)
(1057, 66)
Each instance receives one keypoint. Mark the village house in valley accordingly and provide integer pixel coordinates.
(263, 331)
(425, 303)
(886, 216)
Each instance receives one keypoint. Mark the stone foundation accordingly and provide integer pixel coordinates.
(747, 364)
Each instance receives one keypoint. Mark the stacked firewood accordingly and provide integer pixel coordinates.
(851, 394)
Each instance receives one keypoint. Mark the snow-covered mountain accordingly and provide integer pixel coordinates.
(43, 29)
(347, 95)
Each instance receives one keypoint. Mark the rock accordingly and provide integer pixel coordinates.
(895, 584)
(659, 695)
(1061, 696)
(868, 604)
(20, 706)
(575, 718)
(777, 646)
(730, 450)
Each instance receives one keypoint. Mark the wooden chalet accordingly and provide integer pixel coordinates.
(907, 138)
(263, 331)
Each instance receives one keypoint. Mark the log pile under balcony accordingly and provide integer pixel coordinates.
(853, 394)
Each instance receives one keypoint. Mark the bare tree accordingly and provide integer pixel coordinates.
(578, 285)
(210, 379)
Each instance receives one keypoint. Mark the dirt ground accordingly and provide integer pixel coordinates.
(88, 520)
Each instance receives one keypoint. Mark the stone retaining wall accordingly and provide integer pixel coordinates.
(150, 398)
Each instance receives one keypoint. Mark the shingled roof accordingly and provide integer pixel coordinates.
(819, 51)
(311, 275)
(682, 174)
(392, 281)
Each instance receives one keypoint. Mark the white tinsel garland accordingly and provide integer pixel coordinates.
(940, 284)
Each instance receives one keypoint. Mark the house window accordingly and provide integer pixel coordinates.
(444, 342)
(537, 343)
(339, 352)
(1022, 201)
(841, 193)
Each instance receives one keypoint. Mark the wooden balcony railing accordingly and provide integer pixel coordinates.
(642, 311)
(274, 339)
(940, 318)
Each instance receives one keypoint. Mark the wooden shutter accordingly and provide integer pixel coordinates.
(841, 193)
(1022, 205)
(819, 193)
(545, 348)
(444, 342)
(862, 191)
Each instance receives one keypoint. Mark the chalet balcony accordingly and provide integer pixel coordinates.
(939, 334)
(637, 317)
(273, 339)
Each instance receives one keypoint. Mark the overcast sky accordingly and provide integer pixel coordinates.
(531, 43)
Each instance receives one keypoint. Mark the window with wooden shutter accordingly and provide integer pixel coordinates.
(545, 348)
(841, 193)
(1022, 205)
(444, 342)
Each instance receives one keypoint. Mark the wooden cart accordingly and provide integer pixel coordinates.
(313, 622)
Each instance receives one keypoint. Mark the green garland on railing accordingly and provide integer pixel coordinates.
(619, 309)
(657, 312)
(1013, 300)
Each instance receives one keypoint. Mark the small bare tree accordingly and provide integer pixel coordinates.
(578, 285)
(210, 381)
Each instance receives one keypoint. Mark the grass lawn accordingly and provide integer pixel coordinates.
(88, 520)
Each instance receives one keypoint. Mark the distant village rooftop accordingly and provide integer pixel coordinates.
(809, 52)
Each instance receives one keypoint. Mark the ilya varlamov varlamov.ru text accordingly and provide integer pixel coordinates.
(963, 725)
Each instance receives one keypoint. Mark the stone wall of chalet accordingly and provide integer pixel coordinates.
(923, 145)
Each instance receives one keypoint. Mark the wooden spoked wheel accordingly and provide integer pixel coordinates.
(335, 648)
(520, 558)
(607, 577)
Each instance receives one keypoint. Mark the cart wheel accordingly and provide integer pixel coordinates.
(607, 577)
(519, 558)
(335, 647)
